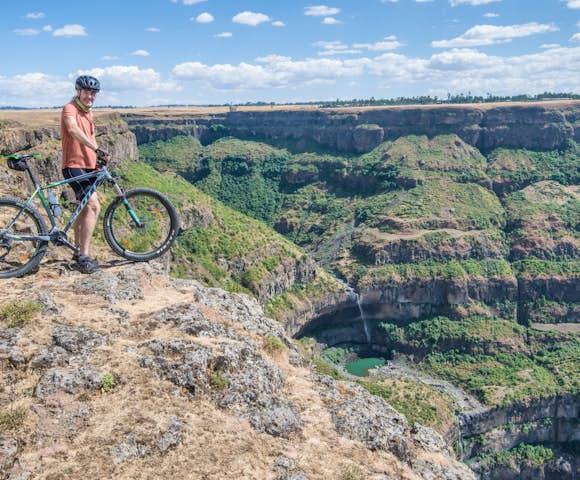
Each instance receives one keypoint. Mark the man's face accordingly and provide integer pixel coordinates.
(87, 97)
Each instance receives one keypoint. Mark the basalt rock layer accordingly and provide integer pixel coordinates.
(545, 126)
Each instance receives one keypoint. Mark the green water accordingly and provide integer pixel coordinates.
(361, 367)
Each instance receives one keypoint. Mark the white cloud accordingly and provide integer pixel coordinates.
(573, 4)
(152, 29)
(121, 78)
(278, 23)
(454, 70)
(330, 21)
(389, 1)
(141, 53)
(493, 34)
(189, 2)
(424, 1)
(26, 32)
(224, 35)
(70, 31)
(389, 43)
(35, 15)
(275, 71)
(454, 3)
(334, 48)
(321, 11)
(16, 90)
(490, 15)
(204, 17)
(550, 46)
(250, 18)
(47, 28)
(575, 37)
(109, 58)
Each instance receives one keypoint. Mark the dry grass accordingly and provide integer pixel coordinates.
(73, 436)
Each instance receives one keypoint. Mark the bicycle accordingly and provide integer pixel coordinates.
(140, 224)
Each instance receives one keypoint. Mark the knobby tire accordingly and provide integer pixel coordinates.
(158, 232)
(19, 257)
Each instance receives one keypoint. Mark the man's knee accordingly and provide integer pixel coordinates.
(93, 205)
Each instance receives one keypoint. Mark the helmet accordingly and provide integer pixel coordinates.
(87, 82)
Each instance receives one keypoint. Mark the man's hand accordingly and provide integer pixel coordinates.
(103, 155)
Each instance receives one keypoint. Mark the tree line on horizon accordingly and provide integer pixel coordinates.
(367, 102)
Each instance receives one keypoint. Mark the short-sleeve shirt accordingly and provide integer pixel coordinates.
(74, 153)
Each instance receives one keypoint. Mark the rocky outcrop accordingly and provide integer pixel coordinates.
(547, 421)
(192, 370)
(380, 248)
(539, 126)
(112, 134)
(551, 420)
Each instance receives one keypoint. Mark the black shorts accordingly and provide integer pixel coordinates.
(82, 186)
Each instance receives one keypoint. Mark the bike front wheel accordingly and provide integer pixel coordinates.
(141, 225)
(20, 248)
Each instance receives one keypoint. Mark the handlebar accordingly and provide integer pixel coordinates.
(17, 156)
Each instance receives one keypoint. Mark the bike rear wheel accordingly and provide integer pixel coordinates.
(19, 256)
(158, 229)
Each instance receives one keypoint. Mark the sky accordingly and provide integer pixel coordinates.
(199, 52)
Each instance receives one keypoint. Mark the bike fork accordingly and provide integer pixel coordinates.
(130, 211)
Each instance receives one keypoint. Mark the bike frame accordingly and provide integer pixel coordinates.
(56, 236)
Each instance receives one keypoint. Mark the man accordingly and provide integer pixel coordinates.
(79, 155)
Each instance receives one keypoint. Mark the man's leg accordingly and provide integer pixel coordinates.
(85, 224)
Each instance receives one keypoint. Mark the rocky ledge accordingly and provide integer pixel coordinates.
(126, 374)
(538, 126)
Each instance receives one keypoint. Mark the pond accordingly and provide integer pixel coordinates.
(361, 367)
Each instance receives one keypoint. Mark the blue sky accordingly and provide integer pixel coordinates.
(234, 51)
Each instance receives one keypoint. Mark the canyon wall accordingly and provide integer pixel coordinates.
(538, 126)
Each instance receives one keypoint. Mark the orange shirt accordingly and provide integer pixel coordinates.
(74, 153)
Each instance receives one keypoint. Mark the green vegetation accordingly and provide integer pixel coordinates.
(218, 380)
(108, 382)
(430, 269)
(533, 267)
(433, 204)
(12, 419)
(175, 154)
(306, 293)
(528, 455)
(546, 209)
(420, 403)
(548, 365)
(471, 334)
(205, 251)
(272, 345)
(17, 314)
(325, 368)
(428, 196)
(519, 167)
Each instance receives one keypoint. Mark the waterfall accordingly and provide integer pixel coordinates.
(363, 318)
(353, 294)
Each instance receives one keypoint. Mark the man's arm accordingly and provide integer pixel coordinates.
(72, 127)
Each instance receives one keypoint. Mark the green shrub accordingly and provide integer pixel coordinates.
(12, 420)
(107, 382)
(325, 368)
(218, 380)
(272, 345)
(16, 314)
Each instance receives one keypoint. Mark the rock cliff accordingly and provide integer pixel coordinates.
(543, 126)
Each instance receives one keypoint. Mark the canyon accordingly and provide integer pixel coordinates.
(406, 258)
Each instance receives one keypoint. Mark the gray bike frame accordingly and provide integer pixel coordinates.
(55, 235)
